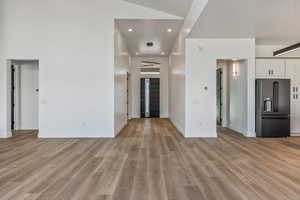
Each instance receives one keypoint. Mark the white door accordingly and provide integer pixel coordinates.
(296, 91)
(293, 72)
(29, 95)
(290, 73)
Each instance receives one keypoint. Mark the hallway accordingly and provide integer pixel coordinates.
(150, 160)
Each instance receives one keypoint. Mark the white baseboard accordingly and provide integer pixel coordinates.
(179, 128)
(238, 129)
(251, 134)
(215, 135)
(295, 134)
(8, 134)
(163, 116)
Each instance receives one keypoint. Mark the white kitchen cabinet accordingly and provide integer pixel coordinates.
(293, 72)
(284, 68)
(270, 68)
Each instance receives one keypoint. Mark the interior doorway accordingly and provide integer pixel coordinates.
(128, 92)
(150, 97)
(231, 93)
(24, 96)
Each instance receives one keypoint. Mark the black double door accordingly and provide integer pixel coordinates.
(150, 97)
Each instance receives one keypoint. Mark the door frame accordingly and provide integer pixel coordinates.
(128, 96)
(142, 97)
(220, 90)
(13, 98)
(13, 86)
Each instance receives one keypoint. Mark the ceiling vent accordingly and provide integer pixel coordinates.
(150, 44)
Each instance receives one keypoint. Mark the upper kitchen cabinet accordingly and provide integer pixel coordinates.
(270, 68)
(293, 69)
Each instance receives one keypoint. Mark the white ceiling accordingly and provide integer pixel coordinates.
(271, 22)
(150, 31)
(174, 7)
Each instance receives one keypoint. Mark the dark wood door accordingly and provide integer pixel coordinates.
(154, 97)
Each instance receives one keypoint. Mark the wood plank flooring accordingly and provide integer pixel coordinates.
(150, 160)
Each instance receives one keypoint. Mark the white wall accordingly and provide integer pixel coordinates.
(122, 65)
(238, 97)
(28, 108)
(136, 84)
(177, 74)
(177, 84)
(4, 73)
(267, 51)
(201, 58)
(74, 43)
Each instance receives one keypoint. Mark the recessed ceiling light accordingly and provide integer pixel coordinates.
(162, 53)
(169, 30)
(130, 30)
(136, 53)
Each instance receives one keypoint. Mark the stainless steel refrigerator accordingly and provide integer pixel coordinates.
(273, 107)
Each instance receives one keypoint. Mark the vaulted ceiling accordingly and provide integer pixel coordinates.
(174, 7)
(269, 21)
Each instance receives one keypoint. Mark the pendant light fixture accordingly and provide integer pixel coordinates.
(286, 50)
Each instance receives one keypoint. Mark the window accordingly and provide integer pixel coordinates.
(150, 71)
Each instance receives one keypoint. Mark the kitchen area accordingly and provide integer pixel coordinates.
(277, 96)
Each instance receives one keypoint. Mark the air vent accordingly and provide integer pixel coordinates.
(149, 44)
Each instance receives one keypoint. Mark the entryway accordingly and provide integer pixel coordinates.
(24, 97)
(150, 97)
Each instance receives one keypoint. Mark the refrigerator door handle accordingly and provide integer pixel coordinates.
(275, 96)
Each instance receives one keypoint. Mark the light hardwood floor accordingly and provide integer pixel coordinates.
(150, 160)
